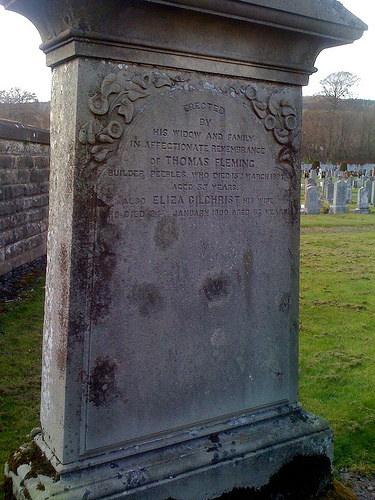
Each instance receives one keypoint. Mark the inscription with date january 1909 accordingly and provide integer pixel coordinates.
(192, 186)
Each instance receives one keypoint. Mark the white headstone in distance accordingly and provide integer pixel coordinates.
(362, 202)
(339, 198)
(312, 199)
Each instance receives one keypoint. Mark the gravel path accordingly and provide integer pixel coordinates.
(363, 487)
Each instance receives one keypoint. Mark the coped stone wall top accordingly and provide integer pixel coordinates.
(276, 40)
(18, 132)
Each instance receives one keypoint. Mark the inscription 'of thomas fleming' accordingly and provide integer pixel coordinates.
(189, 193)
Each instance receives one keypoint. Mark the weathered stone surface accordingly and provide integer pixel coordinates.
(171, 326)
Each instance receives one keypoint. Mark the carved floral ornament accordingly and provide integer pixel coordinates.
(114, 108)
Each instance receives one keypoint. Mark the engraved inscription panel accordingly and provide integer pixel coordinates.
(191, 280)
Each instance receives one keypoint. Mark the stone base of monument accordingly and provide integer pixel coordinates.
(245, 452)
(362, 211)
(338, 210)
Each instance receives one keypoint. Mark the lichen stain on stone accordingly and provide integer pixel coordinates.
(166, 232)
(216, 288)
(102, 382)
(219, 338)
(147, 298)
(283, 303)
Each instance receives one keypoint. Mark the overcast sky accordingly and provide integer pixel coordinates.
(23, 64)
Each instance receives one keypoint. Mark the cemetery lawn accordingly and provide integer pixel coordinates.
(337, 341)
(337, 331)
(21, 324)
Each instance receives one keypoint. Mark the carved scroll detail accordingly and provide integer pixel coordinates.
(280, 117)
(113, 108)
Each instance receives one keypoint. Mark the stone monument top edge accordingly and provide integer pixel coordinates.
(331, 11)
(327, 18)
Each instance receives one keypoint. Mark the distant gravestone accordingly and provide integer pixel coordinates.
(368, 186)
(362, 202)
(349, 195)
(339, 198)
(170, 361)
(309, 182)
(312, 200)
(372, 200)
(313, 174)
(329, 190)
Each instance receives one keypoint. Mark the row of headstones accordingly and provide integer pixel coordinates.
(339, 194)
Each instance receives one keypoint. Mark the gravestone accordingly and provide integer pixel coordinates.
(330, 189)
(312, 198)
(339, 198)
(309, 183)
(313, 174)
(348, 195)
(170, 363)
(362, 202)
(368, 186)
(372, 199)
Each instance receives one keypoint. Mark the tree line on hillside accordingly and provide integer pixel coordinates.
(22, 106)
(336, 127)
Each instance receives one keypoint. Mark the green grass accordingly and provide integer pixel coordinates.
(337, 341)
(21, 324)
(337, 333)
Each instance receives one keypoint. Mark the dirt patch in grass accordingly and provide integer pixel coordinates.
(21, 279)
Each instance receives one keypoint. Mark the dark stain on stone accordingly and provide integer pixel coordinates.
(63, 307)
(247, 260)
(284, 303)
(105, 263)
(214, 438)
(166, 232)
(147, 298)
(216, 288)
(102, 383)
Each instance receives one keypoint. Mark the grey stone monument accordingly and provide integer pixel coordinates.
(349, 195)
(339, 198)
(329, 190)
(312, 199)
(170, 360)
(368, 186)
(372, 199)
(362, 201)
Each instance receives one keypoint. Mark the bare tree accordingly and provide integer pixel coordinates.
(23, 106)
(15, 95)
(338, 86)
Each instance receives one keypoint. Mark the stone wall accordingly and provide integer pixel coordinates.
(24, 186)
